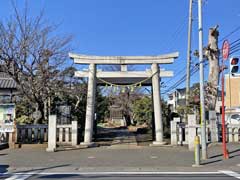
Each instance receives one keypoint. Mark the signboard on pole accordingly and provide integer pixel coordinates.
(7, 116)
(225, 50)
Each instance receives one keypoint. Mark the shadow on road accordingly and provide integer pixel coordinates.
(230, 152)
(219, 157)
(59, 176)
(211, 162)
(3, 168)
(42, 169)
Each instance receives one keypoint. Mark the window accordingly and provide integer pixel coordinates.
(219, 98)
(235, 116)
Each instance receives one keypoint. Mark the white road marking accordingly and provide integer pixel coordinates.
(153, 157)
(20, 176)
(113, 173)
(231, 173)
(91, 157)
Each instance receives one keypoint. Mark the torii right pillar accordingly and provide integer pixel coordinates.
(157, 106)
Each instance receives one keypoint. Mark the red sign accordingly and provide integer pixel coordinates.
(225, 50)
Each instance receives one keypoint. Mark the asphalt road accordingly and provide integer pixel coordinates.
(123, 176)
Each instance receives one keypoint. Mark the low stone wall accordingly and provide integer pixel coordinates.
(61, 134)
(182, 133)
(28, 134)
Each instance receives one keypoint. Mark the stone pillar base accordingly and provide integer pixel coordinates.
(50, 149)
(195, 165)
(158, 143)
(14, 145)
(87, 144)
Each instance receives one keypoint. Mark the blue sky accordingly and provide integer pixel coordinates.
(134, 27)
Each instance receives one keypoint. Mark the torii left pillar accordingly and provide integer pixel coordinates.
(157, 106)
(90, 110)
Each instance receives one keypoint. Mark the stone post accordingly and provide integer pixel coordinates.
(180, 135)
(173, 133)
(74, 133)
(10, 140)
(90, 106)
(230, 134)
(236, 134)
(213, 126)
(52, 135)
(191, 131)
(157, 106)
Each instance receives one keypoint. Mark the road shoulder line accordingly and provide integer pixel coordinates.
(230, 173)
(115, 173)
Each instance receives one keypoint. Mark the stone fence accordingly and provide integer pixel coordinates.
(29, 134)
(184, 134)
(61, 134)
(40, 133)
(233, 132)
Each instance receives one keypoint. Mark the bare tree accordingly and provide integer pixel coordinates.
(33, 56)
(212, 54)
(73, 86)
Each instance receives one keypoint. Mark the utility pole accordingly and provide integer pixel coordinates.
(189, 53)
(202, 108)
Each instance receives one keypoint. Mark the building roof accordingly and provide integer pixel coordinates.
(181, 91)
(7, 83)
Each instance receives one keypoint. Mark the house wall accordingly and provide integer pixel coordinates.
(232, 98)
(178, 96)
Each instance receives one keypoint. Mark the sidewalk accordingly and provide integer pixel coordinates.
(140, 158)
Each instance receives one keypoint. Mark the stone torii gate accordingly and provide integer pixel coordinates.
(123, 77)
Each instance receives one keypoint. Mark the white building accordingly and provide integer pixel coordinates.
(177, 99)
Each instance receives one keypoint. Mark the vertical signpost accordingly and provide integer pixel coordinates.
(225, 55)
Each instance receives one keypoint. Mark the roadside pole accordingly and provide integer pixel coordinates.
(225, 53)
(202, 108)
(189, 53)
(224, 146)
(196, 151)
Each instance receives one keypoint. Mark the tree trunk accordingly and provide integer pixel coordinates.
(40, 109)
(212, 54)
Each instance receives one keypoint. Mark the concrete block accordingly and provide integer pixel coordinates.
(191, 131)
(173, 133)
(52, 129)
(74, 133)
(213, 126)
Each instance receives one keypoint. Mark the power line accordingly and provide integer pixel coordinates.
(176, 33)
(194, 70)
(172, 43)
(231, 33)
(235, 41)
(174, 77)
(182, 79)
(235, 48)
